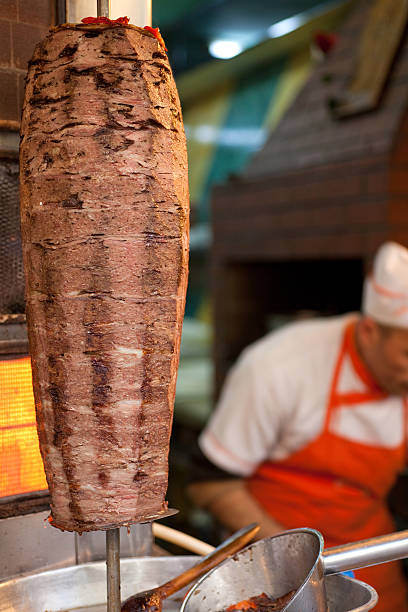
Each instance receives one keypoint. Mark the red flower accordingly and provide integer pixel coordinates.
(325, 41)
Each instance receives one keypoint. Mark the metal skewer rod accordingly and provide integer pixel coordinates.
(103, 8)
(113, 569)
(112, 535)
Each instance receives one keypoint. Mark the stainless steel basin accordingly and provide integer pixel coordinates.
(82, 588)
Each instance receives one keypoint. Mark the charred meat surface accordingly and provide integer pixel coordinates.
(104, 215)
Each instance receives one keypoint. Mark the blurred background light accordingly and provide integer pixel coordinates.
(224, 49)
(286, 25)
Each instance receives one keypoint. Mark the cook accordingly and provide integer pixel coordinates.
(311, 426)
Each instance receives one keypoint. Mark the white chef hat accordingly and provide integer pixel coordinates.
(385, 295)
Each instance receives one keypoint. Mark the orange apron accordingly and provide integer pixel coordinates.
(339, 486)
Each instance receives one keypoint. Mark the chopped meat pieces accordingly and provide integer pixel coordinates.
(262, 603)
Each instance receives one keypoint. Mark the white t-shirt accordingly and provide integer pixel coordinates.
(275, 397)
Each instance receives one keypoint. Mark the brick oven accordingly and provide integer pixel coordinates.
(298, 229)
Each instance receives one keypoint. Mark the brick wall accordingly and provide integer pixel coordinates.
(397, 209)
(330, 211)
(299, 227)
(22, 24)
(323, 187)
(309, 135)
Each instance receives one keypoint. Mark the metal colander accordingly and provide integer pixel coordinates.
(11, 257)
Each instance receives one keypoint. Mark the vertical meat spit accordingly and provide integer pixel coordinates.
(92, 372)
(112, 535)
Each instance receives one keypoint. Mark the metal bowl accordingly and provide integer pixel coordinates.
(343, 594)
(277, 566)
(348, 594)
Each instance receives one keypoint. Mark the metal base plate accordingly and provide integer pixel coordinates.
(161, 515)
(156, 516)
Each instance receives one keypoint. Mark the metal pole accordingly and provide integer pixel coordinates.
(103, 8)
(61, 12)
(113, 569)
(112, 535)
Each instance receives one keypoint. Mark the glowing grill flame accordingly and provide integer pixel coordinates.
(21, 468)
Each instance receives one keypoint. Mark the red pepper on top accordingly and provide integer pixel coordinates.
(123, 21)
(156, 33)
(325, 41)
(106, 20)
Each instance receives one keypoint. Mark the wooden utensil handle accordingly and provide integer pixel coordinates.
(162, 532)
(237, 541)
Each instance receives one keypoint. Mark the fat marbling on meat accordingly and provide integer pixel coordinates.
(104, 215)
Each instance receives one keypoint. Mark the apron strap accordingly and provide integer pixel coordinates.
(332, 403)
(354, 397)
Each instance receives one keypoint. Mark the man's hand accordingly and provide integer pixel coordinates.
(230, 502)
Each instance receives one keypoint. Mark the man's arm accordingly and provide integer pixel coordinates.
(230, 502)
(243, 428)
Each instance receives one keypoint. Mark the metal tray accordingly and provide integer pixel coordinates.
(82, 588)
